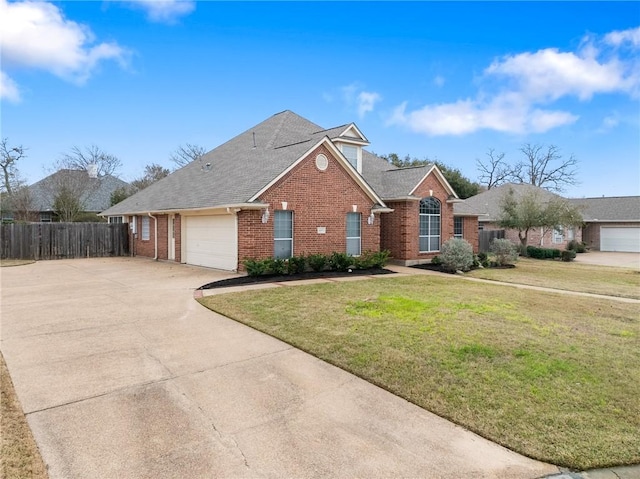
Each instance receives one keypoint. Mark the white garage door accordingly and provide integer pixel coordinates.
(620, 239)
(212, 241)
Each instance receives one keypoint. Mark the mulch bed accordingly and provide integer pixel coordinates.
(271, 278)
(438, 267)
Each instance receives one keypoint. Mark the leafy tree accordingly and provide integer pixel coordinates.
(531, 211)
(152, 173)
(542, 166)
(186, 154)
(9, 156)
(83, 159)
(119, 194)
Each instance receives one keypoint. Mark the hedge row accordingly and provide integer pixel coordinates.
(315, 262)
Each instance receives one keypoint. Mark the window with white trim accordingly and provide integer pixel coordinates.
(429, 225)
(571, 234)
(458, 227)
(351, 153)
(558, 234)
(283, 234)
(115, 219)
(354, 239)
(145, 234)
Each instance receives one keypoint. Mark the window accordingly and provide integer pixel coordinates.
(429, 225)
(46, 217)
(458, 229)
(353, 234)
(145, 228)
(283, 234)
(351, 153)
(115, 219)
(558, 234)
(571, 234)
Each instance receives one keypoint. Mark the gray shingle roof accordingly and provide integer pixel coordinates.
(234, 172)
(614, 208)
(487, 203)
(96, 191)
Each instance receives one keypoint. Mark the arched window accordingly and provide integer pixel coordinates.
(429, 225)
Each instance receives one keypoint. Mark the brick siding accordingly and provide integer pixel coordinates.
(535, 237)
(318, 199)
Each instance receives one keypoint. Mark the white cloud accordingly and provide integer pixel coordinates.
(366, 102)
(36, 35)
(618, 38)
(8, 88)
(518, 89)
(355, 97)
(164, 11)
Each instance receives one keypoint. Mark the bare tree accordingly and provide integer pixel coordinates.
(9, 156)
(152, 173)
(69, 190)
(83, 159)
(495, 172)
(545, 168)
(22, 204)
(186, 154)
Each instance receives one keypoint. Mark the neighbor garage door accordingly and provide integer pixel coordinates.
(620, 239)
(211, 241)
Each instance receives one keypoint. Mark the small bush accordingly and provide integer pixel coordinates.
(436, 260)
(296, 264)
(581, 248)
(568, 255)
(505, 251)
(572, 245)
(543, 253)
(276, 266)
(482, 257)
(255, 267)
(317, 262)
(456, 255)
(370, 260)
(340, 261)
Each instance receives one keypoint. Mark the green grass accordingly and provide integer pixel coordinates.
(554, 377)
(586, 278)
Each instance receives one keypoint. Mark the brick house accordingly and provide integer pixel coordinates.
(289, 187)
(610, 223)
(488, 205)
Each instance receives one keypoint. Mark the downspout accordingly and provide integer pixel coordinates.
(155, 222)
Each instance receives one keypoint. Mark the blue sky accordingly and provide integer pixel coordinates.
(447, 81)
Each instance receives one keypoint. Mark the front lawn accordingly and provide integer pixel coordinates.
(586, 278)
(554, 377)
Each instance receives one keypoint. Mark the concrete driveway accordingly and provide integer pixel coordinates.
(123, 374)
(604, 258)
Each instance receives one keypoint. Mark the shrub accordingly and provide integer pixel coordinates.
(572, 245)
(456, 254)
(581, 247)
(340, 261)
(255, 267)
(505, 251)
(542, 253)
(568, 255)
(276, 266)
(296, 264)
(317, 262)
(370, 260)
(482, 257)
(436, 260)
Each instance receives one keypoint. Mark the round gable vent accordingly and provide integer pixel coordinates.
(321, 162)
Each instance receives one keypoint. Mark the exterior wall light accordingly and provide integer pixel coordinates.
(265, 215)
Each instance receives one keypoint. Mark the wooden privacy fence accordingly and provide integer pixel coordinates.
(64, 240)
(485, 237)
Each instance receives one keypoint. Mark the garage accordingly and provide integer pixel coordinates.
(620, 239)
(211, 241)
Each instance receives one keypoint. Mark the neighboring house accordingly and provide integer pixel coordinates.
(289, 187)
(488, 205)
(611, 223)
(94, 192)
